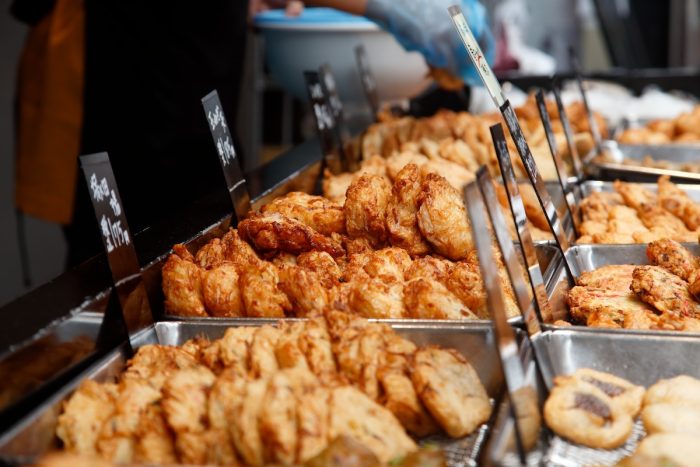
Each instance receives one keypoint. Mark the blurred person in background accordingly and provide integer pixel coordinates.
(127, 76)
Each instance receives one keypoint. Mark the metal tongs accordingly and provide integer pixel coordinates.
(520, 383)
(496, 93)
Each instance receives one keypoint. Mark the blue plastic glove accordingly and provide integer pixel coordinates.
(425, 26)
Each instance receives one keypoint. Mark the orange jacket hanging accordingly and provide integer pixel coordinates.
(50, 113)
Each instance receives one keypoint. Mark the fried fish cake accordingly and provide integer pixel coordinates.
(262, 298)
(278, 420)
(671, 418)
(682, 390)
(401, 212)
(245, 432)
(675, 449)
(313, 416)
(354, 414)
(211, 255)
(584, 414)
(221, 292)
(610, 277)
(305, 290)
(665, 291)
(365, 209)
(182, 287)
(317, 212)
(428, 299)
(375, 298)
(675, 258)
(401, 399)
(263, 363)
(272, 233)
(450, 389)
(84, 414)
(442, 218)
(585, 301)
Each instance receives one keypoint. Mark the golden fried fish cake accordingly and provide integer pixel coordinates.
(442, 218)
(317, 212)
(231, 351)
(585, 415)
(155, 364)
(671, 418)
(261, 295)
(401, 212)
(456, 175)
(429, 267)
(635, 195)
(610, 277)
(354, 414)
(287, 349)
(655, 217)
(154, 442)
(677, 201)
(185, 397)
(464, 280)
(596, 206)
(401, 399)
(245, 432)
(428, 299)
(305, 291)
(451, 390)
(675, 449)
(621, 391)
(681, 390)
(335, 186)
(84, 414)
(182, 287)
(117, 440)
(211, 255)
(585, 301)
(220, 291)
(315, 342)
(675, 258)
(238, 251)
(272, 233)
(322, 264)
(278, 420)
(396, 162)
(375, 298)
(665, 291)
(388, 264)
(312, 411)
(365, 209)
(263, 363)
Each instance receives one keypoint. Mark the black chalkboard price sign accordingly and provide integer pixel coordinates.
(220, 133)
(367, 79)
(117, 240)
(330, 90)
(325, 122)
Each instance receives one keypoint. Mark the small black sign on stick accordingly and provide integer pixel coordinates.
(325, 122)
(369, 84)
(223, 141)
(117, 241)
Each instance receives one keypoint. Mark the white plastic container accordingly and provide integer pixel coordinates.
(324, 35)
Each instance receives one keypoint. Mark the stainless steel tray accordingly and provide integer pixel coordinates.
(587, 258)
(34, 435)
(642, 360)
(616, 169)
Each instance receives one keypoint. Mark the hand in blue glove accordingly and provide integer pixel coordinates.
(425, 26)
